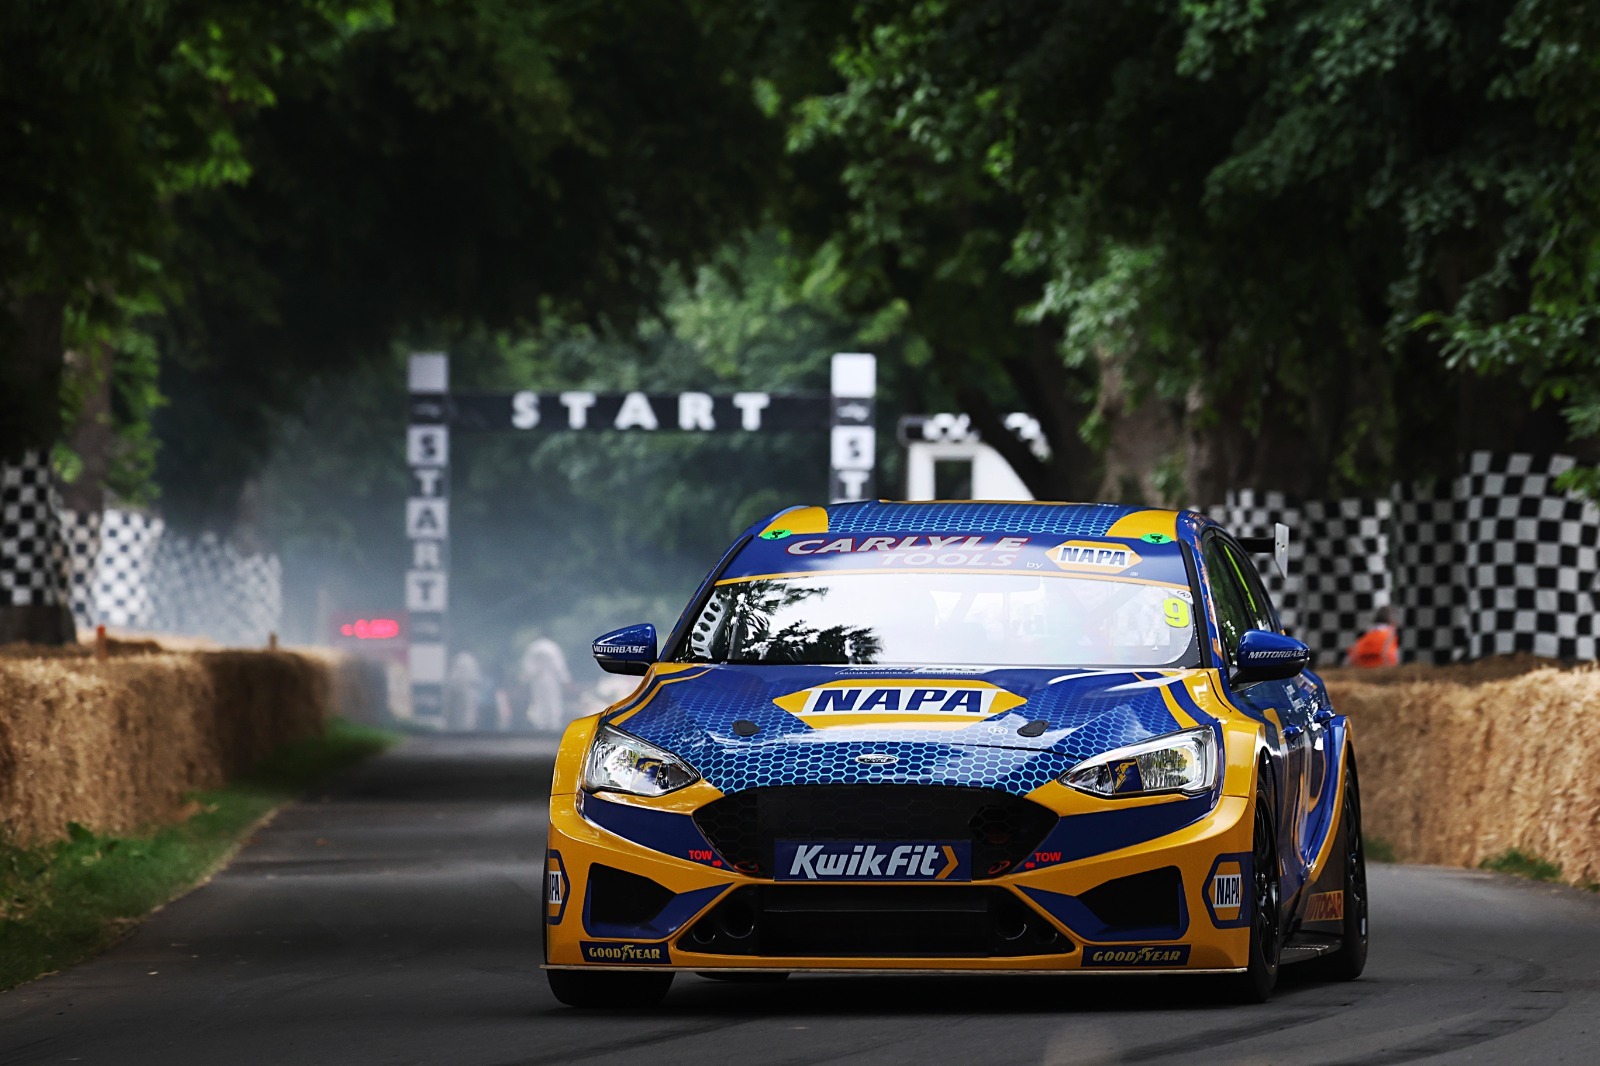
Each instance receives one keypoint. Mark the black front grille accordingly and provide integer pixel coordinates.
(882, 921)
(1003, 829)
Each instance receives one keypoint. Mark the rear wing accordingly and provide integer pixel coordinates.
(1276, 546)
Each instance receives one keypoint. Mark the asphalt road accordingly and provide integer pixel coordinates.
(393, 918)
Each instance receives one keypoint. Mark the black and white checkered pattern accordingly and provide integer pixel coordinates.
(207, 586)
(82, 533)
(124, 568)
(33, 553)
(1496, 561)
(1530, 558)
(1248, 513)
(1428, 593)
(142, 575)
(1345, 576)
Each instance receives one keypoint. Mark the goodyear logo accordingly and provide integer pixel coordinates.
(953, 704)
(871, 861)
(1162, 955)
(624, 954)
(1093, 556)
(1326, 907)
(1226, 892)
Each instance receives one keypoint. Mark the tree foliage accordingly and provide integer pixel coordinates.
(112, 112)
(1294, 224)
(470, 164)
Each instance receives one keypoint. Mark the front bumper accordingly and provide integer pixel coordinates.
(1168, 903)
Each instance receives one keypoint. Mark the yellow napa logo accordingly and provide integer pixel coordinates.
(1092, 556)
(923, 701)
(1225, 892)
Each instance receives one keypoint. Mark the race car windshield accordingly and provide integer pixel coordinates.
(939, 619)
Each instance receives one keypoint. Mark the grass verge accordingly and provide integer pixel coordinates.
(1529, 866)
(61, 903)
(1377, 848)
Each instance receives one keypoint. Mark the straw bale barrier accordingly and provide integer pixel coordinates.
(114, 745)
(1461, 764)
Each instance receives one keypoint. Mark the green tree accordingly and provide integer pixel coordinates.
(1292, 225)
(266, 194)
(112, 113)
(471, 164)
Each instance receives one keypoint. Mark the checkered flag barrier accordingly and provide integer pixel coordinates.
(206, 586)
(1429, 594)
(1495, 561)
(1529, 555)
(145, 576)
(33, 551)
(82, 532)
(122, 577)
(1248, 513)
(1346, 575)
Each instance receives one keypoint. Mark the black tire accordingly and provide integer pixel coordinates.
(1255, 985)
(596, 988)
(1347, 963)
(743, 977)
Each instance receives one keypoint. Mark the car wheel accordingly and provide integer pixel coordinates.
(589, 988)
(1255, 985)
(1347, 963)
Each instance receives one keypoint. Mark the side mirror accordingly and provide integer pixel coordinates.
(629, 650)
(1265, 656)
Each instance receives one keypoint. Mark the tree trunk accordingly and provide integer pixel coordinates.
(35, 604)
(92, 437)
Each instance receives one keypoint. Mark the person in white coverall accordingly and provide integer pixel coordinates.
(544, 671)
(462, 689)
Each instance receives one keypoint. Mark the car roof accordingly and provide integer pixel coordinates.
(988, 516)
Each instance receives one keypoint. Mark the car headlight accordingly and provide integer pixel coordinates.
(620, 762)
(1177, 762)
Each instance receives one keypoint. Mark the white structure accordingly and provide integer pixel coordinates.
(930, 440)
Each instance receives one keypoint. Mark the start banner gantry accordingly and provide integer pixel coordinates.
(848, 411)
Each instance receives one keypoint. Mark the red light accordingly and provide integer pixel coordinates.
(371, 629)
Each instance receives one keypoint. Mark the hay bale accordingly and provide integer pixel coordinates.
(115, 745)
(1459, 765)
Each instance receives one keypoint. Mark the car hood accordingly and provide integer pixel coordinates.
(1015, 729)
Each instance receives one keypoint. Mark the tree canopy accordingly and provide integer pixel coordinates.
(1293, 224)
(1314, 245)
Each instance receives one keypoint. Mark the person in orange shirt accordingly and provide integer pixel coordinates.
(1378, 646)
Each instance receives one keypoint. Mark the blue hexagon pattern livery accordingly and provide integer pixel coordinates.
(1055, 519)
(1084, 713)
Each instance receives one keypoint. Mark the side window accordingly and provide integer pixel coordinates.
(1233, 618)
(1262, 616)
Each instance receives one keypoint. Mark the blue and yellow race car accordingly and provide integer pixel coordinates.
(925, 737)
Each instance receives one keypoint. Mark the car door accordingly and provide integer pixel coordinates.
(1243, 604)
(1308, 707)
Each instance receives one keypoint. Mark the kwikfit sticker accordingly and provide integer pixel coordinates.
(872, 861)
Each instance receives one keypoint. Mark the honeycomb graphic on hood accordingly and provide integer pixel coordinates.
(1086, 714)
